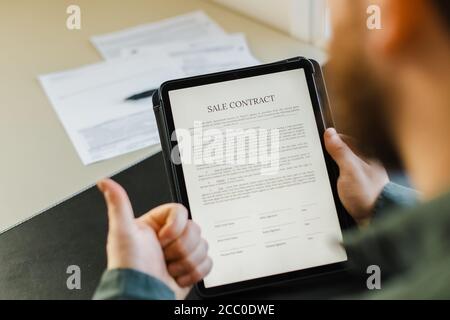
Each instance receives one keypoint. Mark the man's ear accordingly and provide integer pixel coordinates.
(401, 21)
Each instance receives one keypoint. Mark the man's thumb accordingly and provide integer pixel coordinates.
(338, 149)
(120, 212)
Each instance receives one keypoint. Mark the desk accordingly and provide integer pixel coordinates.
(39, 166)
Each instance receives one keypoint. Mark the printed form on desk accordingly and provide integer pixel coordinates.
(192, 26)
(90, 101)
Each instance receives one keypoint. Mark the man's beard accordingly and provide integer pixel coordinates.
(359, 99)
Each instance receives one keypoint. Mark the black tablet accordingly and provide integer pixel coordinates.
(245, 154)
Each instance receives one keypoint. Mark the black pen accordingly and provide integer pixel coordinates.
(142, 95)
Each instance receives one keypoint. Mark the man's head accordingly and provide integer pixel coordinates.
(370, 70)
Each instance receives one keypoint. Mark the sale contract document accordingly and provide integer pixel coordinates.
(256, 176)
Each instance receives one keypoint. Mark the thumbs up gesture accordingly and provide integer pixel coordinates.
(162, 243)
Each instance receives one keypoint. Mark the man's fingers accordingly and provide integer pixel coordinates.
(185, 244)
(120, 212)
(169, 221)
(197, 275)
(190, 262)
(338, 149)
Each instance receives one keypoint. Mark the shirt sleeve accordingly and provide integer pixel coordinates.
(411, 249)
(394, 196)
(128, 284)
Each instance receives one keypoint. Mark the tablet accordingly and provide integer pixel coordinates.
(245, 154)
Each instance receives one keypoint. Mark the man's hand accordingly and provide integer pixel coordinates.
(360, 180)
(162, 243)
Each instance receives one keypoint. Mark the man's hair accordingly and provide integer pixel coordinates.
(443, 8)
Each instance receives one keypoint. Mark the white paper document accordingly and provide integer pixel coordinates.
(90, 102)
(204, 56)
(258, 223)
(188, 27)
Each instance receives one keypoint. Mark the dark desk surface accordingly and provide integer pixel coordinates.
(34, 256)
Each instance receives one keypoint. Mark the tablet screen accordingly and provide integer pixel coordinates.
(256, 176)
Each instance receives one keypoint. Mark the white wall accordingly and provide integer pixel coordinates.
(302, 19)
(273, 12)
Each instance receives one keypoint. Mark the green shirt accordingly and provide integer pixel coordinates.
(412, 248)
(128, 284)
(409, 242)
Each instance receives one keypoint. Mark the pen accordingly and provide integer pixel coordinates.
(142, 95)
